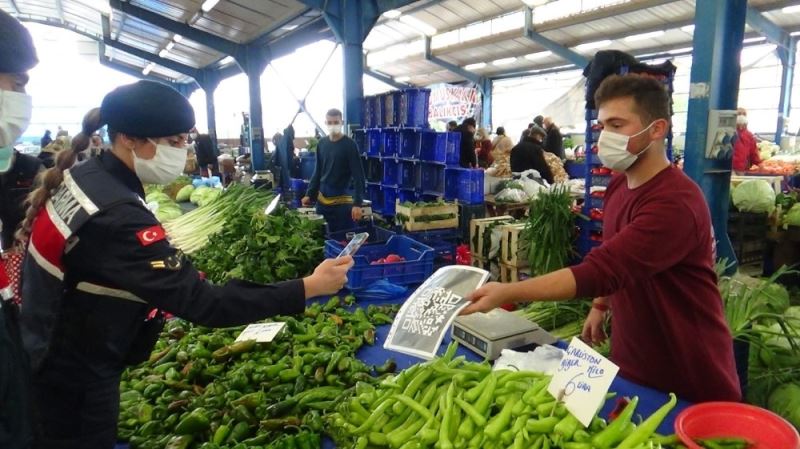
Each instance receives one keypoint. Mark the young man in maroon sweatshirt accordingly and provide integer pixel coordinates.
(655, 268)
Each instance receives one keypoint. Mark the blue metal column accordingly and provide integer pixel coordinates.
(787, 57)
(253, 60)
(209, 81)
(486, 103)
(718, 34)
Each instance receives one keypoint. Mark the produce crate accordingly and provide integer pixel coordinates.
(510, 273)
(415, 214)
(414, 107)
(748, 234)
(360, 138)
(601, 180)
(453, 149)
(432, 179)
(299, 186)
(376, 234)
(476, 229)
(391, 108)
(390, 195)
(391, 172)
(434, 147)
(430, 198)
(416, 268)
(308, 163)
(467, 213)
(408, 176)
(375, 195)
(464, 184)
(511, 252)
(575, 170)
(443, 243)
(391, 142)
(491, 266)
(374, 142)
(410, 143)
(408, 195)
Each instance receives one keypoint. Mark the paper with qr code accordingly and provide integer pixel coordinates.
(426, 316)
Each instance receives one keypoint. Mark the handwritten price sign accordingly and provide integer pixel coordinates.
(583, 379)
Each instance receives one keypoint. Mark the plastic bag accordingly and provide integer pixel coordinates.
(383, 290)
(532, 183)
(512, 196)
(544, 359)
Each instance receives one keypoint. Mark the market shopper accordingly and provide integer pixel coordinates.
(501, 153)
(553, 142)
(46, 139)
(452, 125)
(285, 157)
(745, 150)
(207, 155)
(17, 173)
(656, 263)
(338, 181)
(99, 269)
(467, 158)
(529, 155)
(484, 148)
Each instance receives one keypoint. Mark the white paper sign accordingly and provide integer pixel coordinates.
(584, 376)
(261, 332)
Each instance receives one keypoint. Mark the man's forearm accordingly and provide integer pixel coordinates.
(556, 286)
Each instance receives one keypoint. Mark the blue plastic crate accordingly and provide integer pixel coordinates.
(375, 195)
(408, 177)
(443, 242)
(376, 234)
(308, 163)
(391, 102)
(374, 141)
(371, 112)
(414, 107)
(432, 179)
(433, 147)
(452, 177)
(575, 170)
(373, 169)
(360, 138)
(391, 172)
(595, 202)
(470, 189)
(453, 149)
(391, 142)
(410, 143)
(416, 268)
(299, 186)
(390, 195)
(408, 195)
(428, 198)
(600, 180)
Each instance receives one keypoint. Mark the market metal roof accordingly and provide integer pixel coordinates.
(486, 37)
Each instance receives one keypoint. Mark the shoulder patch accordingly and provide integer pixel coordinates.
(151, 235)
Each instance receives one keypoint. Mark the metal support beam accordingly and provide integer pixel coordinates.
(209, 80)
(126, 69)
(60, 10)
(384, 78)
(253, 60)
(186, 89)
(219, 44)
(718, 33)
(466, 74)
(787, 57)
(14, 6)
(768, 29)
(486, 103)
(557, 49)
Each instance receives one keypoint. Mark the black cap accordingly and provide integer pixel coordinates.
(17, 53)
(147, 109)
(539, 120)
(538, 130)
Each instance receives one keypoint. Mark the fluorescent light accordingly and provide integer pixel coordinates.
(535, 2)
(504, 61)
(177, 38)
(791, 9)
(208, 5)
(795, 33)
(392, 14)
(593, 45)
(170, 46)
(688, 29)
(226, 60)
(644, 36)
(289, 27)
(680, 50)
(753, 40)
(403, 79)
(476, 66)
(419, 25)
(147, 69)
(163, 53)
(538, 55)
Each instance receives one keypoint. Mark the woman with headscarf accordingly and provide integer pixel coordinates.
(484, 148)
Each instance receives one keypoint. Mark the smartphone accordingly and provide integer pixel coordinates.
(354, 244)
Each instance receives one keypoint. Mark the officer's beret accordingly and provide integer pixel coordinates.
(17, 53)
(147, 109)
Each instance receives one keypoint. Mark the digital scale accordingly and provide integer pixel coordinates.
(489, 333)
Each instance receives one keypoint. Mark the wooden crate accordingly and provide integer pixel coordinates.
(512, 253)
(491, 266)
(510, 273)
(414, 214)
(476, 228)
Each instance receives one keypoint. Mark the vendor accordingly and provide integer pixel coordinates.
(656, 263)
(483, 148)
(745, 150)
(529, 154)
(99, 269)
(338, 180)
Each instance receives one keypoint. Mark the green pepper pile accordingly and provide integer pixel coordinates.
(449, 403)
(201, 389)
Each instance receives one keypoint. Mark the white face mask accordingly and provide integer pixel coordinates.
(335, 129)
(15, 116)
(167, 164)
(741, 120)
(613, 149)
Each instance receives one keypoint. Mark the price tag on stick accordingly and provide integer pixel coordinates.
(261, 332)
(582, 379)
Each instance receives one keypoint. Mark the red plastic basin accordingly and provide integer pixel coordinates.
(763, 428)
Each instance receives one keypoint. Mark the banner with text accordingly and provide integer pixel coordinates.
(454, 102)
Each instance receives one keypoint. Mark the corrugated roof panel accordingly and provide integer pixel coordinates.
(177, 10)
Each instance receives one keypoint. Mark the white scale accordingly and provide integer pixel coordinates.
(489, 333)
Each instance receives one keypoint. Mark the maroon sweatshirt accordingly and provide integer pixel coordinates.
(656, 264)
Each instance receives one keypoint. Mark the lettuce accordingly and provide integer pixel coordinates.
(755, 195)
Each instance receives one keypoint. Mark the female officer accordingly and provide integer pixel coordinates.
(99, 264)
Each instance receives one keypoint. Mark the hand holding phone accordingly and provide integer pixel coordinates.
(354, 245)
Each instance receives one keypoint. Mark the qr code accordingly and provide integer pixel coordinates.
(429, 311)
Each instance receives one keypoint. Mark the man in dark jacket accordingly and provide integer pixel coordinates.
(468, 157)
(46, 139)
(206, 155)
(553, 142)
(529, 154)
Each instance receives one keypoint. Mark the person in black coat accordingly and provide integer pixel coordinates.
(553, 142)
(206, 155)
(46, 139)
(468, 157)
(529, 154)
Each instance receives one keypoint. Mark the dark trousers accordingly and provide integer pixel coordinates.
(15, 425)
(338, 217)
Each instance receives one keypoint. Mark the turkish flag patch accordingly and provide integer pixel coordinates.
(151, 235)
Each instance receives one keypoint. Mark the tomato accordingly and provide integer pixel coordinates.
(393, 258)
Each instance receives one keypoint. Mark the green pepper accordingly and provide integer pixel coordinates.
(179, 442)
(130, 395)
(289, 374)
(500, 421)
(221, 434)
(194, 423)
(152, 391)
(200, 352)
(251, 400)
(239, 433)
(649, 425)
(280, 423)
(281, 408)
(149, 429)
(612, 434)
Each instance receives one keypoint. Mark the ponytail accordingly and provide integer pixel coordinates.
(49, 180)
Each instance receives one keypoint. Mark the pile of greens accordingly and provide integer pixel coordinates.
(549, 232)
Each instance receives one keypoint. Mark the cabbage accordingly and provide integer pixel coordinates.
(184, 193)
(195, 196)
(157, 197)
(775, 296)
(792, 217)
(755, 195)
(785, 401)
